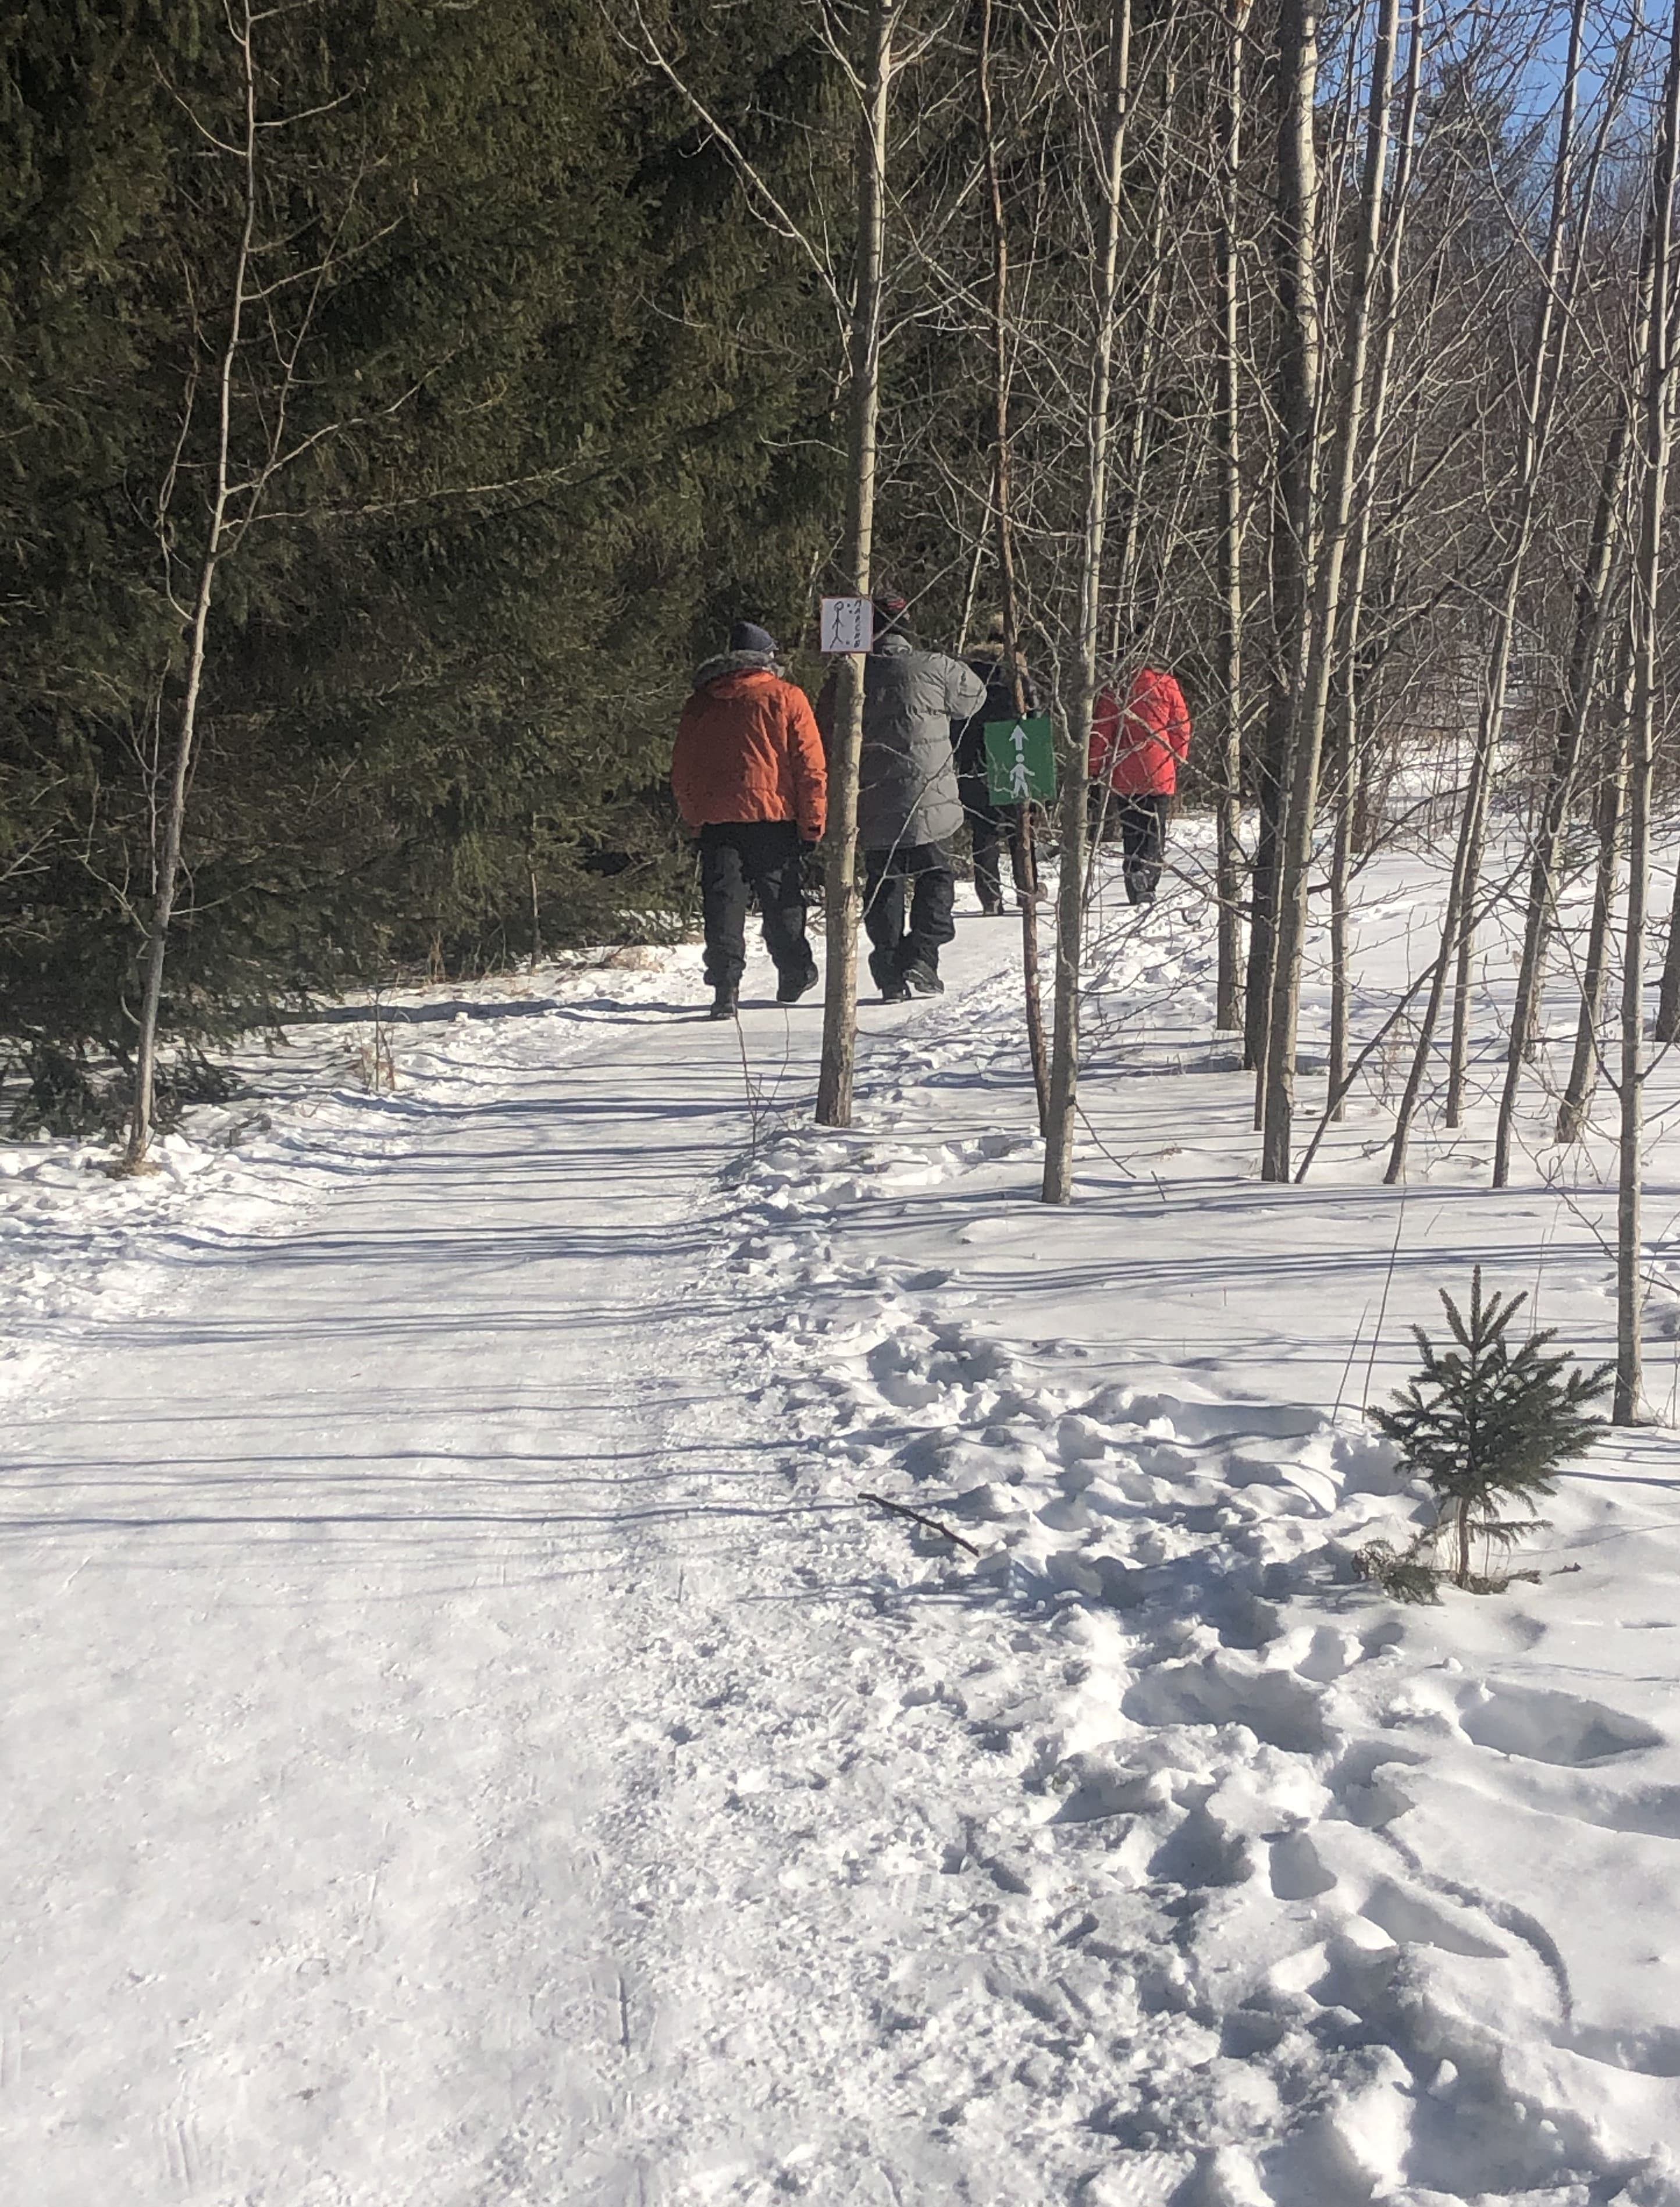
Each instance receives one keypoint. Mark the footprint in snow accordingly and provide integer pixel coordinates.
(1547, 1726)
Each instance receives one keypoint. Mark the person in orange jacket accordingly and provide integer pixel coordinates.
(750, 779)
(1135, 756)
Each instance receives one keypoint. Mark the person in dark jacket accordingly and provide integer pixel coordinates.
(990, 826)
(751, 779)
(908, 807)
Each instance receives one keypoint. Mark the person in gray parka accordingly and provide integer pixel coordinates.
(908, 807)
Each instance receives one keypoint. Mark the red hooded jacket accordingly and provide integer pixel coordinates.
(747, 748)
(1140, 755)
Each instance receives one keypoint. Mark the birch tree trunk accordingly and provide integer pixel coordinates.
(1228, 988)
(1058, 1182)
(1314, 652)
(1353, 605)
(839, 999)
(1539, 395)
(537, 898)
(1590, 595)
(168, 875)
(1654, 434)
(1577, 1097)
(1398, 1146)
(1458, 1050)
(1668, 995)
(1551, 334)
(1154, 315)
(1341, 869)
(1025, 857)
(1296, 408)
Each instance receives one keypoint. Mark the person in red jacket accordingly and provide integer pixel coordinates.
(1135, 756)
(750, 780)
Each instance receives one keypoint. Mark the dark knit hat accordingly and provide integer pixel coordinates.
(747, 636)
(892, 617)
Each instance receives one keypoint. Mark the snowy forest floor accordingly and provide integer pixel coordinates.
(469, 1743)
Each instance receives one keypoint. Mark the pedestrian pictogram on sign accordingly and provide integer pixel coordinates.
(1020, 761)
(848, 624)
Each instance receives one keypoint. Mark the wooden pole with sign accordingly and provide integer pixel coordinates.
(839, 1002)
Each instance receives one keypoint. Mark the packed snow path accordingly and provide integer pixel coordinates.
(342, 1572)
(467, 1746)
(334, 1587)
(351, 1597)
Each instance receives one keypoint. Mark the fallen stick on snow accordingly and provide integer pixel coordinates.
(933, 1525)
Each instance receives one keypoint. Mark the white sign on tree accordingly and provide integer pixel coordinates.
(848, 624)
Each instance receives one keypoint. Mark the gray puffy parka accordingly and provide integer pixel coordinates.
(908, 791)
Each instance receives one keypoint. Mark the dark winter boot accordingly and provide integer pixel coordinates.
(923, 981)
(726, 1002)
(793, 986)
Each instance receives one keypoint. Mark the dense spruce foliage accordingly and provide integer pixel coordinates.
(558, 403)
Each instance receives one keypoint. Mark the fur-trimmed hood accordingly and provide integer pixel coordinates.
(736, 662)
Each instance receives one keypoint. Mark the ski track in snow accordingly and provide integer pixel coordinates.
(476, 1746)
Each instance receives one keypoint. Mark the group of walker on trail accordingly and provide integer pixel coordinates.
(750, 778)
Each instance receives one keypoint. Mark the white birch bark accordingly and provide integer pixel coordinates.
(1654, 437)
(840, 1003)
(1058, 1182)
(1315, 648)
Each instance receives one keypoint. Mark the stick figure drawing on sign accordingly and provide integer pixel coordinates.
(1020, 780)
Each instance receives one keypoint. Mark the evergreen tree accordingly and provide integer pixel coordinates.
(1487, 1425)
(588, 402)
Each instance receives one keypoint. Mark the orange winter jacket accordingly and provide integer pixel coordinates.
(1141, 755)
(747, 748)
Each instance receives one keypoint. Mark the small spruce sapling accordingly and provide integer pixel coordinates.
(1487, 1425)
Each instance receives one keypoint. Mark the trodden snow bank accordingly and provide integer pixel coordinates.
(1275, 1892)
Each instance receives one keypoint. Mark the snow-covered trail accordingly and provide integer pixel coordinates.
(471, 1739)
(331, 1586)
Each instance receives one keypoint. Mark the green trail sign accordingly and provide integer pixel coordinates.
(1020, 761)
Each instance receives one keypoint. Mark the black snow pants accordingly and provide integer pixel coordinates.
(1143, 841)
(754, 857)
(991, 830)
(897, 949)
